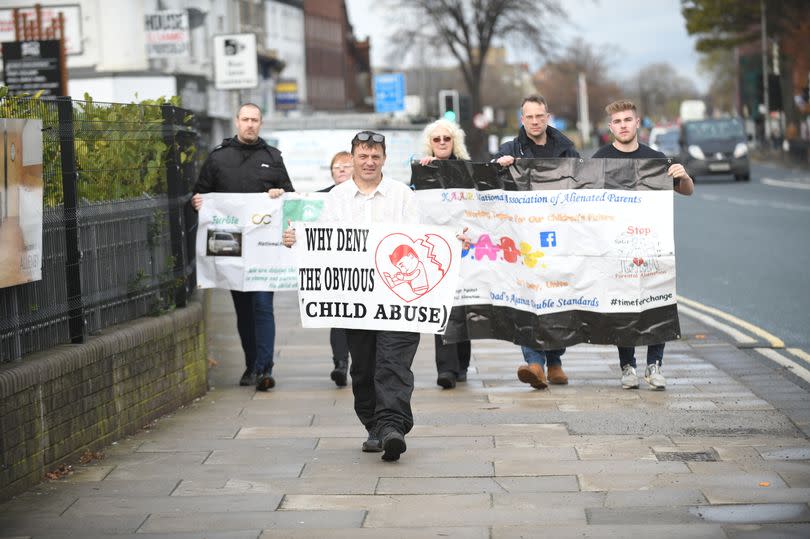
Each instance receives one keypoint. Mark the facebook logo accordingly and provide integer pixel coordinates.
(548, 239)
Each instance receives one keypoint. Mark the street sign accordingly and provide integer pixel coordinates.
(286, 94)
(236, 65)
(389, 92)
(31, 66)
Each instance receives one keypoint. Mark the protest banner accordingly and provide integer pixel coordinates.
(239, 239)
(563, 250)
(386, 277)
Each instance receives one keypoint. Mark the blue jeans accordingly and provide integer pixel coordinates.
(627, 355)
(531, 355)
(257, 329)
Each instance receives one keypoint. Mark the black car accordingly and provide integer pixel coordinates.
(714, 147)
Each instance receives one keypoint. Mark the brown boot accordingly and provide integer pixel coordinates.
(533, 375)
(556, 375)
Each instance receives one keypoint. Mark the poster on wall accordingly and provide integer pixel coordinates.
(20, 201)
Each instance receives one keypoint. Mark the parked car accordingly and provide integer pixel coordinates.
(715, 146)
(665, 140)
(222, 243)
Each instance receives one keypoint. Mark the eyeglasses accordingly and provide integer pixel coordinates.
(365, 136)
(443, 138)
(341, 168)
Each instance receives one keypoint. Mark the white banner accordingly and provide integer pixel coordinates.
(597, 250)
(239, 239)
(384, 277)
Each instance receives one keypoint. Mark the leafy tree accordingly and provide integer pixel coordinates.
(720, 65)
(467, 29)
(723, 24)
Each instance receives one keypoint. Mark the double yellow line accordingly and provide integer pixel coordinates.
(712, 317)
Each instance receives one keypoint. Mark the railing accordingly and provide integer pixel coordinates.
(118, 231)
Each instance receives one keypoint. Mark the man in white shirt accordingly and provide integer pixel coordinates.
(382, 380)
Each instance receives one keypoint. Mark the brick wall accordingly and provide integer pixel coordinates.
(55, 405)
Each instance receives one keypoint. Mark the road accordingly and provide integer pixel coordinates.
(743, 248)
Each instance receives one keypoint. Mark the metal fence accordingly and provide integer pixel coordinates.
(118, 231)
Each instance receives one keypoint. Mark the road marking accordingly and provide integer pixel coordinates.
(783, 183)
(774, 341)
(735, 334)
(799, 353)
(742, 339)
(756, 202)
(793, 367)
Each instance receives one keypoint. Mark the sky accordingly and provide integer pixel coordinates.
(647, 31)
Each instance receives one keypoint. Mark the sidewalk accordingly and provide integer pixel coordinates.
(723, 452)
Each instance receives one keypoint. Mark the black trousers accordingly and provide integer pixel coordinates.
(382, 380)
(340, 346)
(453, 358)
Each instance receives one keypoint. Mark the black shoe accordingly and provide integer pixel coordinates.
(393, 445)
(372, 444)
(265, 382)
(461, 377)
(248, 378)
(339, 374)
(447, 380)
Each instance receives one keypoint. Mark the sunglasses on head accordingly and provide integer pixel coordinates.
(365, 136)
(443, 138)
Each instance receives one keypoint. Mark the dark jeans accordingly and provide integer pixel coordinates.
(553, 357)
(382, 380)
(340, 346)
(627, 355)
(257, 328)
(453, 358)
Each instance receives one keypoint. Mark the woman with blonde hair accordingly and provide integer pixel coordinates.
(442, 140)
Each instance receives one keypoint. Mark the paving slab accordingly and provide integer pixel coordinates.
(718, 454)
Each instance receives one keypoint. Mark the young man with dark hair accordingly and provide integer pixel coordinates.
(536, 139)
(624, 121)
(382, 379)
(247, 164)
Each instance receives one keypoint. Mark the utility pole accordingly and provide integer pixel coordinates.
(765, 97)
(584, 118)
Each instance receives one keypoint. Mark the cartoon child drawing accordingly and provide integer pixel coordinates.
(411, 270)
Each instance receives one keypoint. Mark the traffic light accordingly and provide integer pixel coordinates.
(448, 105)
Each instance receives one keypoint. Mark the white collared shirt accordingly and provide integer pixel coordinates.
(390, 202)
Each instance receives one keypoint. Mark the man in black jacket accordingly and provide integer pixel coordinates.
(536, 139)
(247, 164)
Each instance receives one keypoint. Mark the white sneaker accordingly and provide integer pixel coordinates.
(629, 377)
(654, 377)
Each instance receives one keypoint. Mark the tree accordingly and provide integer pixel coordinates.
(723, 24)
(557, 81)
(467, 29)
(719, 64)
(659, 90)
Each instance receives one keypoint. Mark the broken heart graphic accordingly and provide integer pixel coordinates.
(410, 267)
(638, 261)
